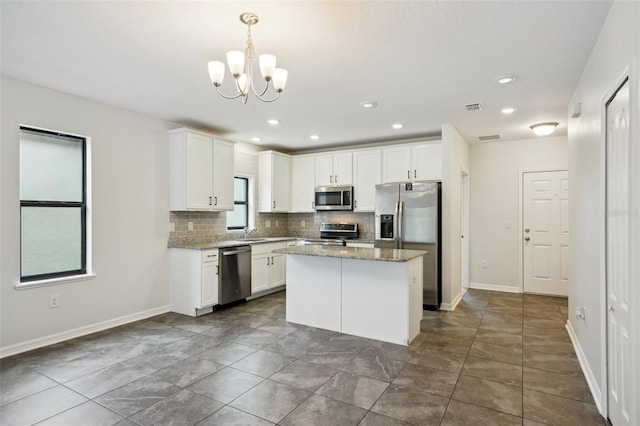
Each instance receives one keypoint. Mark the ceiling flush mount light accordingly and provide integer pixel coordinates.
(506, 79)
(397, 126)
(368, 104)
(241, 68)
(315, 137)
(544, 129)
(508, 110)
(255, 139)
(273, 122)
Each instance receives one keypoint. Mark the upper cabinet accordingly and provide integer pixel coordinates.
(201, 171)
(367, 174)
(274, 179)
(407, 163)
(334, 169)
(302, 183)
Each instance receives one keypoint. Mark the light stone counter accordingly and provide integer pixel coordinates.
(198, 244)
(357, 253)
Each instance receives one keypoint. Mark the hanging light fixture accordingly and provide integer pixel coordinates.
(544, 129)
(241, 68)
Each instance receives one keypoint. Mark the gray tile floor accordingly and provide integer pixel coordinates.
(498, 359)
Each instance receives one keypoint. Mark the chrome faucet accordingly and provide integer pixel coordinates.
(248, 230)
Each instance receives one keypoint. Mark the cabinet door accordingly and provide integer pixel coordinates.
(199, 170)
(343, 169)
(277, 274)
(259, 273)
(209, 279)
(427, 162)
(396, 164)
(324, 170)
(367, 174)
(223, 170)
(302, 184)
(281, 183)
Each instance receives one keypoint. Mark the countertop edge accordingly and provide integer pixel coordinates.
(354, 253)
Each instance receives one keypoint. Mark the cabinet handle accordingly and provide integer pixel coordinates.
(216, 203)
(274, 204)
(268, 262)
(210, 201)
(408, 174)
(313, 205)
(330, 178)
(336, 179)
(272, 260)
(211, 255)
(415, 173)
(217, 270)
(355, 204)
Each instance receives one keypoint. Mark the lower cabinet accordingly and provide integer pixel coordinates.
(193, 280)
(268, 270)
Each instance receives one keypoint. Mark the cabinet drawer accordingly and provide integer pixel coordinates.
(210, 255)
(264, 248)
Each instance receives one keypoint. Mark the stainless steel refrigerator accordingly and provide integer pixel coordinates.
(408, 217)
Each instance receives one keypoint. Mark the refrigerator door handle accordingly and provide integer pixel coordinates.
(395, 220)
(400, 220)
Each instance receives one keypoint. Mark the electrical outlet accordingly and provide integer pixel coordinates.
(267, 224)
(172, 227)
(190, 226)
(54, 301)
(303, 223)
(485, 264)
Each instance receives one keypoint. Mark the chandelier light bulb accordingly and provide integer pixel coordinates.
(279, 79)
(216, 72)
(235, 59)
(267, 66)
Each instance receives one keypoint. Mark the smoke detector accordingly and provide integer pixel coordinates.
(473, 107)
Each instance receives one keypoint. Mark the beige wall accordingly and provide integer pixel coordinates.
(494, 214)
(130, 216)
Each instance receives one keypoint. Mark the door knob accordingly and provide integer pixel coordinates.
(611, 308)
(527, 238)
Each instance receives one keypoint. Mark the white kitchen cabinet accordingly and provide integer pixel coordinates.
(200, 171)
(302, 183)
(193, 280)
(367, 173)
(408, 163)
(274, 171)
(268, 270)
(334, 169)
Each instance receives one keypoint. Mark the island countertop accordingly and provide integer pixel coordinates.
(358, 253)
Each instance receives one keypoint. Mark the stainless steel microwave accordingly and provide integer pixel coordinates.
(334, 198)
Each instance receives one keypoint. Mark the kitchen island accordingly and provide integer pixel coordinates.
(367, 292)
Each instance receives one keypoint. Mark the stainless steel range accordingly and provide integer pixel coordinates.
(334, 234)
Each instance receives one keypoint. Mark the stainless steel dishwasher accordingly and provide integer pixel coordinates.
(235, 274)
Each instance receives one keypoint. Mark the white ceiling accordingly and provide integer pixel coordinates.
(421, 61)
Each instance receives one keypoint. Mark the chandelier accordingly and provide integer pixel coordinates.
(241, 68)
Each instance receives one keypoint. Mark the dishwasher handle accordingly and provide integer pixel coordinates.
(238, 251)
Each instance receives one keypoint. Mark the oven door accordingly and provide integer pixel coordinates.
(333, 198)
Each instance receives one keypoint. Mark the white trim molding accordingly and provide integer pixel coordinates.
(451, 306)
(596, 392)
(79, 332)
(495, 287)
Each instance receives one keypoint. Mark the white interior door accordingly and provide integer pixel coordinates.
(545, 235)
(618, 255)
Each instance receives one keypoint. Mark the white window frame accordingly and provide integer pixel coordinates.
(251, 211)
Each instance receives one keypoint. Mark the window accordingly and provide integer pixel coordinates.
(53, 205)
(239, 217)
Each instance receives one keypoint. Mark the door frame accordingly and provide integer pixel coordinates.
(464, 231)
(521, 173)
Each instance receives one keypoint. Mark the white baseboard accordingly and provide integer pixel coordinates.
(494, 287)
(451, 306)
(586, 368)
(78, 332)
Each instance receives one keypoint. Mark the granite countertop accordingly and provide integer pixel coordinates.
(207, 245)
(358, 253)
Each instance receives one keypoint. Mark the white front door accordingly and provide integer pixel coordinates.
(619, 255)
(545, 235)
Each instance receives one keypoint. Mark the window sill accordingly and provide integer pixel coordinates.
(54, 281)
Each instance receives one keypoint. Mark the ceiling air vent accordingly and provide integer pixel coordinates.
(489, 137)
(473, 107)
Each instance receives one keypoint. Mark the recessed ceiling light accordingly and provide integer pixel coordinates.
(256, 139)
(509, 110)
(368, 104)
(273, 121)
(505, 79)
(544, 129)
(315, 137)
(397, 125)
